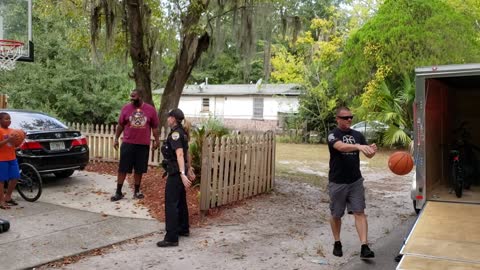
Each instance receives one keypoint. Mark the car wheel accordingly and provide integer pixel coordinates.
(63, 174)
(415, 207)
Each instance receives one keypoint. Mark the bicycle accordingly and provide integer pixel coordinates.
(464, 169)
(457, 173)
(29, 186)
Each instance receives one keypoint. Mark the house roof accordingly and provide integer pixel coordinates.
(238, 90)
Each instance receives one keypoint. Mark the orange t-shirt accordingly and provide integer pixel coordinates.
(7, 151)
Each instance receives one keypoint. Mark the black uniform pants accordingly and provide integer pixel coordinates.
(176, 209)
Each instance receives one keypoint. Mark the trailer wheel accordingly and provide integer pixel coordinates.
(415, 207)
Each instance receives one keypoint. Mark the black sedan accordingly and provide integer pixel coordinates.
(50, 146)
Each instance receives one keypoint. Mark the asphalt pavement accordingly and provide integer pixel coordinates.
(48, 230)
(386, 249)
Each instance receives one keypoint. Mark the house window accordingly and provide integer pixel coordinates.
(205, 104)
(258, 108)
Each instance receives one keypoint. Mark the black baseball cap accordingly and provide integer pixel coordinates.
(177, 114)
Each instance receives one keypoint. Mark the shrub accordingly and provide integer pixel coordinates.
(210, 127)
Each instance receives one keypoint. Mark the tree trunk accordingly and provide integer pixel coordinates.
(192, 48)
(267, 55)
(219, 38)
(247, 38)
(140, 59)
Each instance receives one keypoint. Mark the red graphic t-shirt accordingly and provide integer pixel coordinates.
(7, 151)
(138, 123)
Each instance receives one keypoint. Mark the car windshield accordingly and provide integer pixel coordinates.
(34, 121)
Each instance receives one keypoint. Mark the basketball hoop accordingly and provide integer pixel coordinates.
(10, 51)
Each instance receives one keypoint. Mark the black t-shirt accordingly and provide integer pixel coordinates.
(344, 166)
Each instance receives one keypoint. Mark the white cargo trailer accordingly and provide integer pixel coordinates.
(446, 234)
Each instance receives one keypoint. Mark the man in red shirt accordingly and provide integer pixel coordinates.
(138, 120)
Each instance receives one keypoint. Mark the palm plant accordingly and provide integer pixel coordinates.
(210, 127)
(394, 107)
(396, 110)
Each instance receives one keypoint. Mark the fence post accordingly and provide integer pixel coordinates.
(269, 160)
(3, 101)
(248, 166)
(238, 165)
(215, 176)
(205, 185)
(254, 166)
(228, 172)
(242, 169)
(264, 163)
(232, 159)
(274, 145)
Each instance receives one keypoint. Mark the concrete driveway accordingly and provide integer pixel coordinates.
(72, 216)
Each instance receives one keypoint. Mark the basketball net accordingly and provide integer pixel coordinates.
(10, 51)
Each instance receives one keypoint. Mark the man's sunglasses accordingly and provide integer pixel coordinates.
(346, 117)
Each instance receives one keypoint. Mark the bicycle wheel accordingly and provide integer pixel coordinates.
(457, 181)
(30, 183)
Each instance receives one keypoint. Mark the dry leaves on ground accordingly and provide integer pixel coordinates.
(153, 187)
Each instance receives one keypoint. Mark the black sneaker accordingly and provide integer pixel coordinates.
(138, 195)
(398, 258)
(116, 197)
(165, 243)
(337, 249)
(365, 252)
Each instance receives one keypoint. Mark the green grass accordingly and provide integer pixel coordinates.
(309, 162)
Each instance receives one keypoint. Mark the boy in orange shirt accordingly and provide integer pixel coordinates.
(9, 170)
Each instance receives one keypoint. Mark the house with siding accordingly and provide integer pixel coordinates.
(249, 107)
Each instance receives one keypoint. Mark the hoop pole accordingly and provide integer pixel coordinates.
(29, 20)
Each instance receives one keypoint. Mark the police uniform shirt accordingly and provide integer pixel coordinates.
(178, 139)
(344, 166)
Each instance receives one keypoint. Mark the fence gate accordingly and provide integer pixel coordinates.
(235, 168)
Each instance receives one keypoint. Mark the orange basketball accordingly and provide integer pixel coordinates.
(400, 163)
(19, 136)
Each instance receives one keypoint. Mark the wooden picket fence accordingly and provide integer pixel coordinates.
(3, 101)
(100, 140)
(235, 168)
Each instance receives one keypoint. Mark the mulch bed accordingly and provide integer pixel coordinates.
(153, 187)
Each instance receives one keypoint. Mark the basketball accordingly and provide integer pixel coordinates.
(19, 136)
(400, 163)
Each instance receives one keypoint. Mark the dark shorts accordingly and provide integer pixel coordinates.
(9, 170)
(350, 196)
(133, 156)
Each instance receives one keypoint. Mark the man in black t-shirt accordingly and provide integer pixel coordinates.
(345, 185)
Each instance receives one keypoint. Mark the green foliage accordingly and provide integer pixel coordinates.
(287, 68)
(405, 34)
(224, 68)
(87, 94)
(210, 127)
(394, 107)
(318, 102)
(286, 138)
(62, 81)
(317, 109)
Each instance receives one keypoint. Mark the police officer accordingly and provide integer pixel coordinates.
(174, 151)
